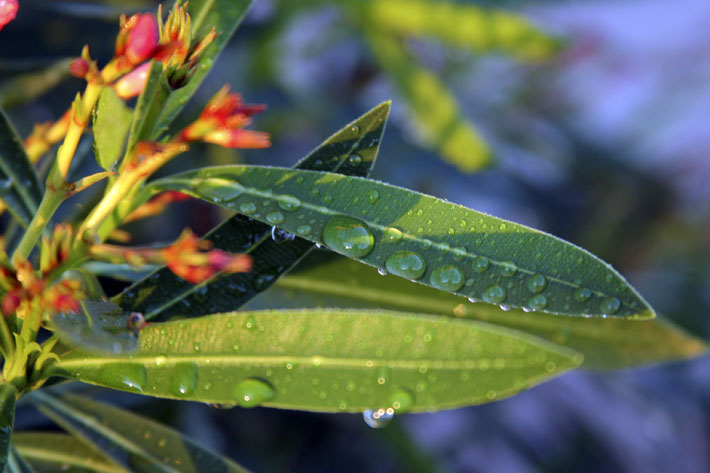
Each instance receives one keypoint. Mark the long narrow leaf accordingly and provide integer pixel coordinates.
(419, 237)
(138, 444)
(352, 150)
(51, 452)
(8, 394)
(17, 464)
(327, 360)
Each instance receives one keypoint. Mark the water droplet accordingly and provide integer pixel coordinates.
(610, 305)
(253, 392)
(494, 294)
(382, 271)
(348, 236)
(406, 264)
(327, 198)
(289, 203)
(451, 231)
(247, 208)
(447, 278)
(459, 253)
(275, 218)
(220, 190)
(184, 378)
(508, 269)
(393, 234)
(401, 400)
(481, 264)
(355, 129)
(355, 159)
(373, 196)
(537, 302)
(379, 418)
(250, 323)
(537, 283)
(126, 376)
(582, 294)
(304, 230)
(280, 236)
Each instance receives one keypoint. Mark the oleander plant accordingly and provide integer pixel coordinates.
(423, 305)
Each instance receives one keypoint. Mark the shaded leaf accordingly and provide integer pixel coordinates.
(136, 443)
(150, 104)
(29, 86)
(17, 464)
(19, 186)
(423, 238)
(327, 360)
(352, 151)
(8, 394)
(334, 281)
(225, 16)
(111, 122)
(438, 120)
(52, 452)
(99, 326)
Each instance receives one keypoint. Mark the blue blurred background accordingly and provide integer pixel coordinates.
(605, 144)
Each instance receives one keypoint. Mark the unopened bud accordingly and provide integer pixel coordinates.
(133, 83)
(142, 39)
(8, 11)
(78, 68)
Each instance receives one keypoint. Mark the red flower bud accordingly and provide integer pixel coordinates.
(78, 68)
(11, 301)
(238, 138)
(8, 11)
(133, 83)
(142, 39)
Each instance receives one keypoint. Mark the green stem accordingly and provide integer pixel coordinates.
(7, 344)
(51, 201)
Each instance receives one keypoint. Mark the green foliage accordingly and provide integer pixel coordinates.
(112, 120)
(48, 453)
(7, 420)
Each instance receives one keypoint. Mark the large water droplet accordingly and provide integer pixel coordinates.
(128, 376)
(280, 236)
(481, 264)
(537, 283)
(289, 203)
(401, 400)
(582, 294)
(253, 392)
(610, 305)
(537, 302)
(447, 278)
(494, 294)
(406, 264)
(379, 418)
(373, 196)
(184, 378)
(275, 218)
(393, 235)
(348, 236)
(220, 190)
(508, 269)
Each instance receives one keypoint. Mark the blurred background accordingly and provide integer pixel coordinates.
(585, 119)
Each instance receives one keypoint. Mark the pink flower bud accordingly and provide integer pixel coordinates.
(132, 84)
(78, 68)
(142, 39)
(8, 11)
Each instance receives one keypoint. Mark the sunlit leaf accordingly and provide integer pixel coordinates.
(422, 238)
(19, 186)
(436, 116)
(138, 444)
(352, 151)
(327, 360)
(8, 394)
(334, 281)
(112, 120)
(51, 452)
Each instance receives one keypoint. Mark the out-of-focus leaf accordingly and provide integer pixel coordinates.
(225, 16)
(351, 151)
(422, 238)
(327, 360)
(120, 272)
(138, 444)
(112, 120)
(29, 86)
(51, 452)
(605, 343)
(438, 120)
(8, 394)
(459, 24)
(17, 464)
(150, 105)
(100, 326)
(19, 186)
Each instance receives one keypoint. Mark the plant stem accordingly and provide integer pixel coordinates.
(51, 201)
(7, 344)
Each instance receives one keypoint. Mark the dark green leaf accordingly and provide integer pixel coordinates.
(327, 360)
(150, 105)
(420, 237)
(352, 151)
(112, 120)
(8, 395)
(225, 16)
(323, 280)
(17, 464)
(50, 453)
(138, 444)
(99, 326)
(19, 186)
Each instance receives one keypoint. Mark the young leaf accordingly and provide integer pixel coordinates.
(421, 238)
(19, 186)
(225, 16)
(327, 360)
(112, 120)
(99, 326)
(439, 122)
(17, 464)
(138, 444)
(351, 151)
(470, 26)
(8, 394)
(605, 343)
(51, 452)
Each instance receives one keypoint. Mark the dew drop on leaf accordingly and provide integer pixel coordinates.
(355, 159)
(508, 269)
(289, 203)
(373, 196)
(481, 264)
(610, 305)
(537, 283)
(379, 418)
(582, 294)
(184, 379)
(393, 234)
(537, 302)
(401, 400)
(448, 278)
(348, 236)
(494, 294)
(247, 208)
(406, 264)
(303, 230)
(275, 218)
(253, 392)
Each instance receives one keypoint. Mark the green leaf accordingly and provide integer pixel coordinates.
(150, 104)
(112, 120)
(8, 395)
(437, 118)
(100, 326)
(19, 186)
(334, 281)
(352, 150)
(17, 464)
(420, 237)
(138, 444)
(470, 26)
(327, 360)
(225, 16)
(50, 452)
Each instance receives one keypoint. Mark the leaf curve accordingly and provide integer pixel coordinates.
(51, 452)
